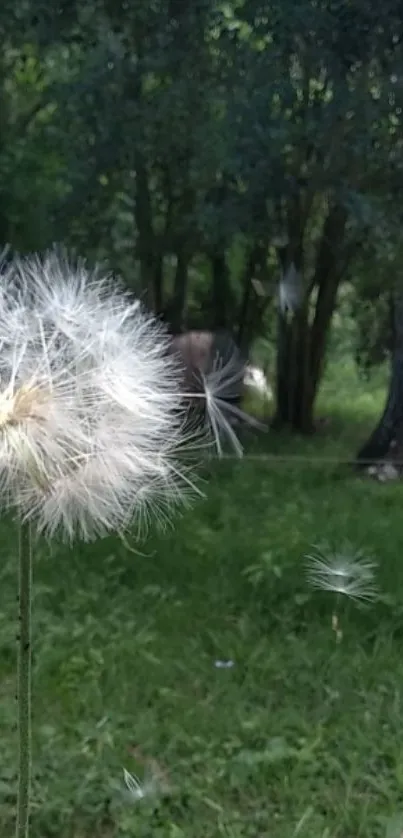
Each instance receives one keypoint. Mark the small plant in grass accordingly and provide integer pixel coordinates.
(91, 425)
(344, 573)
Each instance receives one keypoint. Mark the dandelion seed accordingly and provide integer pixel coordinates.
(221, 388)
(290, 290)
(343, 573)
(91, 416)
(138, 790)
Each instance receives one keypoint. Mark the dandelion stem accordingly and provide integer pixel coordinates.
(24, 681)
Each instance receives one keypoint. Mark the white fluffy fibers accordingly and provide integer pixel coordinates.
(90, 409)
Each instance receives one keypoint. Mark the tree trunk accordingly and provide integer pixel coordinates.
(158, 301)
(250, 311)
(381, 438)
(332, 262)
(146, 244)
(242, 331)
(221, 292)
(176, 306)
(294, 395)
(302, 345)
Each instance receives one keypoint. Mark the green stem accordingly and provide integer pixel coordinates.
(24, 681)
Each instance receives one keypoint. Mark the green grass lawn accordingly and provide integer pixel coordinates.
(301, 736)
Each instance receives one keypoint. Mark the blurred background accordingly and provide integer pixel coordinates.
(240, 165)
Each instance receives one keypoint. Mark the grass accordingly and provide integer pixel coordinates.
(299, 738)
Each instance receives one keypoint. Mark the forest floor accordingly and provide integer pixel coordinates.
(206, 666)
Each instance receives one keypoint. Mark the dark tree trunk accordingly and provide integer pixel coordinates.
(146, 244)
(381, 438)
(5, 231)
(176, 306)
(331, 264)
(221, 292)
(158, 284)
(242, 332)
(250, 312)
(294, 395)
(301, 344)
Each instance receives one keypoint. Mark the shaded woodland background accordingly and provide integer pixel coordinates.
(239, 163)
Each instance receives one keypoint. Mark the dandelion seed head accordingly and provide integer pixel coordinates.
(91, 417)
(222, 386)
(138, 790)
(348, 573)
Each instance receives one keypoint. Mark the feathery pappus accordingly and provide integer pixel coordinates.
(91, 416)
(345, 572)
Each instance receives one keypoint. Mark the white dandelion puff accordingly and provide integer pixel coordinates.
(346, 573)
(91, 416)
(138, 790)
(221, 388)
(214, 384)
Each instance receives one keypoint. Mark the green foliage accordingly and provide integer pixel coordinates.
(162, 137)
(195, 147)
(265, 111)
(300, 737)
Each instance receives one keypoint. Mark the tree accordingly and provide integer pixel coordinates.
(315, 96)
(275, 136)
(389, 427)
(380, 312)
(135, 116)
(29, 168)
